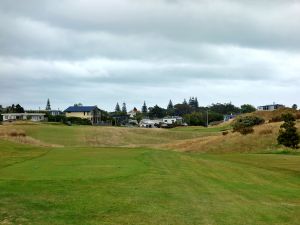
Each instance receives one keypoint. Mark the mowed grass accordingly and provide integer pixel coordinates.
(92, 185)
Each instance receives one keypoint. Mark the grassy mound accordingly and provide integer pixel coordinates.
(269, 115)
(264, 139)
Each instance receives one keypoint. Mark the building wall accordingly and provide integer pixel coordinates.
(95, 119)
(79, 114)
(7, 117)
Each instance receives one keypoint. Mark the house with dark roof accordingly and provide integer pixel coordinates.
(270, 107)
(92, 113)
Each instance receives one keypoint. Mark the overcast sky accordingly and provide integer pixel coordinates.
(99, 52)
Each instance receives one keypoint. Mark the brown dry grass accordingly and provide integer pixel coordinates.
(18, 135)
(277, 113)
(263, 139)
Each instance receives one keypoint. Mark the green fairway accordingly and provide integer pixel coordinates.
(86, 185)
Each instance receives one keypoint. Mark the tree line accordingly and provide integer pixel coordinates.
(190, 110)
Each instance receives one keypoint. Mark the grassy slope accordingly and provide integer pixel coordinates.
(264, 139)
(142, 186)
(104, 136)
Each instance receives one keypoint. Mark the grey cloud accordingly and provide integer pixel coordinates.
(130, 50)
(249, 23)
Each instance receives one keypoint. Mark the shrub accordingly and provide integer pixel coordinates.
(288, 135)
(244, 124)
(246, 130)
(15, 133)
(79, 121)
(57, 118)
(224, 133)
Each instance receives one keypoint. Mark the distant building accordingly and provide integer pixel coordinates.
(23, 116)
(270, 107)
(55, 112)
(133, 112)
(172, 120)
(92, 113)
(147, 123)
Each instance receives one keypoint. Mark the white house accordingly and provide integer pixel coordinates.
(173, 120)
(55, 112)
(147, 123)
(23, 116)
(269, 107)
(132, 113)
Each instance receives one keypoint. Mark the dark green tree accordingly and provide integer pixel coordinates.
(170, 109)
(184, 102)
(182, 109)
(138, 116)
(117, 108)
(124, 108)
(48, 106)
(144, 108)
(295, 106)
(247, 108)
(225, 109)
(156, 112)
(192, 102)
(288, 135)
(170, 105)
(19, 109)
(196, 104)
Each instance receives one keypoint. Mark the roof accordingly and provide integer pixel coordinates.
(23, 114)
(270, 105)
(81, 108)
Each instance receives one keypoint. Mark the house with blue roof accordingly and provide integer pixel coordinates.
(92, 113)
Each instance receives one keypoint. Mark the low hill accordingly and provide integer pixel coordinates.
(264, 139)
(269, 115)
(59, 135)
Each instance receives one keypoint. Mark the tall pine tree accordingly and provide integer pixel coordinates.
(170, 105)
(196, 104)
(117, 108)
(144, 108)
(124, 109)
(48, 106)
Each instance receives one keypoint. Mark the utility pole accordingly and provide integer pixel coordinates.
(206, 118)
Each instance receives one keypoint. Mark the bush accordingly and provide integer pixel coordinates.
(246, 130)
(79, 121)
(57, 118)
(244, 125)
(15, 133)
(288, 135)
(224, 133)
